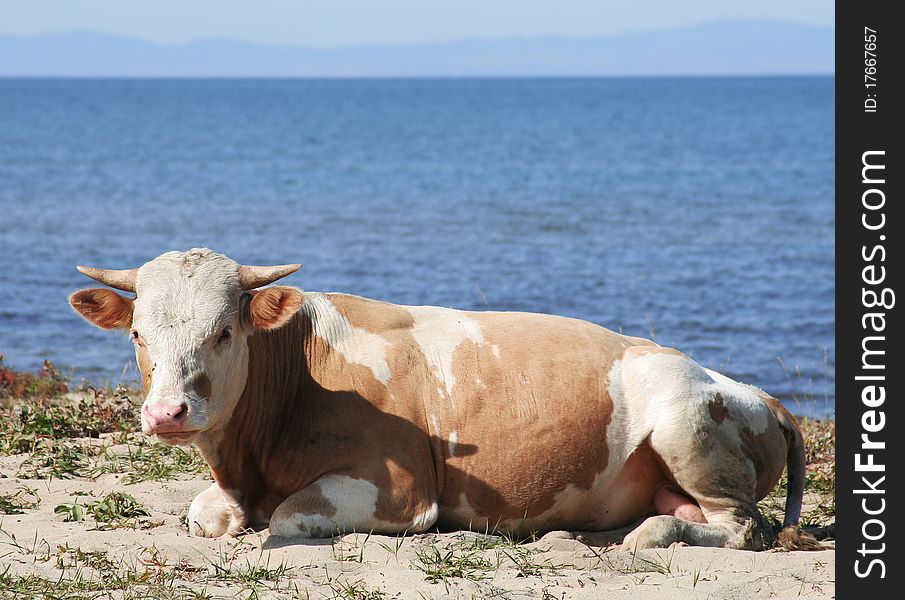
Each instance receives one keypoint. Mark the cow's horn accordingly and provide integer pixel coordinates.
(253, 277)
(122, 280)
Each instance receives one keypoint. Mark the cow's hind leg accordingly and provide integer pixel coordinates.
(722, 482)
(735, 529)
(717, 442)
(336, 504)
(723, 512)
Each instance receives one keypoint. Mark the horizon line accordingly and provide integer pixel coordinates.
(822, 74)
(379, 44)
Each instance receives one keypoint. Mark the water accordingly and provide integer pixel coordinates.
(697, 209)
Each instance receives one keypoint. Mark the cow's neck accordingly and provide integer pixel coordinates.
(263, 434)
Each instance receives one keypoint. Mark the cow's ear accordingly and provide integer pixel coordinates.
(272, 307)
(102, 307)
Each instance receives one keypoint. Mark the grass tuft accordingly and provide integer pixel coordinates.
(116, 510)
(28, 422)
(144, 460)
(16, 503)
(439, 565)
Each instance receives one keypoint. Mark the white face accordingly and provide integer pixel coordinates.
(190, 343)
(190, 323)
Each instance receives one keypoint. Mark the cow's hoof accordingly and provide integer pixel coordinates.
(210, 515)
(207, 525)
(655, 532)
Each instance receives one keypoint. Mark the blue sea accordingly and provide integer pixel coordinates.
(698, 211)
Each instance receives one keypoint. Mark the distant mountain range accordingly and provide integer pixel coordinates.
(729, 47)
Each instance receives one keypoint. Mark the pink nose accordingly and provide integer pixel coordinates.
(163, 417)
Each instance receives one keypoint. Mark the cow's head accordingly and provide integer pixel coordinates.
(189, 321)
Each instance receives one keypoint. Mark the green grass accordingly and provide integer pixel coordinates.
(523, 559)
(43, 425)
(258, 580)
(71, 511)
(439, 565)
(92, 575)
(16, 503)
(26, 421)
(95, 574)
(354, 590)
(44, 429)
(349, 549)
(51, 458)
(116, 510)
(68, 557)
(144, 460)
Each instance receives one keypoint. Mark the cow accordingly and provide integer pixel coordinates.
(325, 413)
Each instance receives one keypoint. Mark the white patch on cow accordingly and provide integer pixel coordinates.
(496, 351)
(424, 521)
(629, 424)
(354, 503)
(480, 383)
(436, 423)
(745, 403)
(666, 392)
(438, 333)
(357, 346)
(355, 500)
(453, 441)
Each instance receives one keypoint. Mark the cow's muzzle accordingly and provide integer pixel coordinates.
(164, 417)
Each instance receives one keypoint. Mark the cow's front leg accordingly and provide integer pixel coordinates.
(337, 504)
(214, 513)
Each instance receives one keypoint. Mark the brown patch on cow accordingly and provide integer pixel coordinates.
(372, 316)
(788, 426)
(145, 367)
(644, 350)
(311, 501)
(202, 386)
(103, 307)
(767, 452)
(272, 307)
(719, 412)
(786, 420)
(535, 425)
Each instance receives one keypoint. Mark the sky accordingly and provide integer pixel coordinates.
(350, 22)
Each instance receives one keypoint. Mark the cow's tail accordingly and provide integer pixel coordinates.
(790, 537)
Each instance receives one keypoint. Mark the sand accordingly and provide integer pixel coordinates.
(160, 559)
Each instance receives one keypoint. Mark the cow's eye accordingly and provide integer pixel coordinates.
(135, 337)
(225, 335)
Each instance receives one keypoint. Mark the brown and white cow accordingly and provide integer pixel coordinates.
(323, 413)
